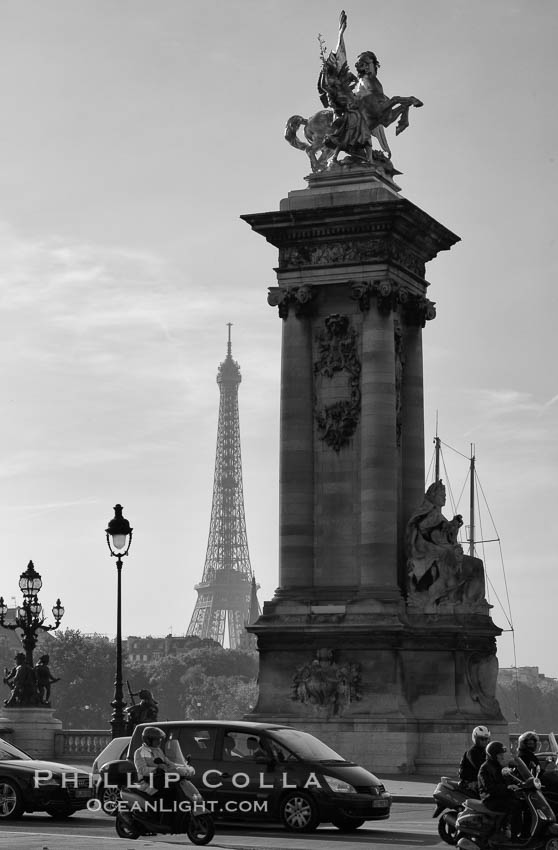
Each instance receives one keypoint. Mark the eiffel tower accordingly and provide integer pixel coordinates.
(225, 591)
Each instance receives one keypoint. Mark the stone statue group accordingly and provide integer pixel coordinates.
(355, 110)
(30, 685)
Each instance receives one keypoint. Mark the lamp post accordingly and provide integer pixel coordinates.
(119, 538)
(29, 616)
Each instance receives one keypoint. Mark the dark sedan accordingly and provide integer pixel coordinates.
(31, 785)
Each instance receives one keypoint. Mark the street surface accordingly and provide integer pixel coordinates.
(410, 826)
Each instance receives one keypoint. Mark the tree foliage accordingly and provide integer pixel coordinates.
(86, 667)
(203, 681)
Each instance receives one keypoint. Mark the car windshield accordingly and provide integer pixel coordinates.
(305, 746)
(9, 752)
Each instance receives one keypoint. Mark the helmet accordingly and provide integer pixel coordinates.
(494, 749)
(480, 732)
(151, 734)
(528, 738)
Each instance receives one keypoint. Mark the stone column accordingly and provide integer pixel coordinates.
(412, 405)
(378, 443)
(296, 467)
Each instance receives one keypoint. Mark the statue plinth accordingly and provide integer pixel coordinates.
(387, 672)
(32, 729)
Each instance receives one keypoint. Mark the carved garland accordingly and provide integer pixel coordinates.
(350, 251)
(337, 352)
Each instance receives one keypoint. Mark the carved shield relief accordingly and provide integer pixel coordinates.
(337, 382)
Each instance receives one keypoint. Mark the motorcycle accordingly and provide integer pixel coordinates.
(479, 828)
(138, 815)
(450, 799)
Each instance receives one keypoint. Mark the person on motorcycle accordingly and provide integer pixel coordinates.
(496, 789)
(152, 766)
(527, 746)
(472, 760)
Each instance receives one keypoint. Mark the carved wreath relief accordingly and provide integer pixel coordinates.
(325, 685)
(337, 353)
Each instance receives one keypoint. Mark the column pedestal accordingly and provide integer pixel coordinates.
(33, 729)
(342, 652)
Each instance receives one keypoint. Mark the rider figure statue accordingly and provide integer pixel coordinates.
(356, 110)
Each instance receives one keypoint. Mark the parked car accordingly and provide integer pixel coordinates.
(114, 750)
(34, 785)
(251, 771)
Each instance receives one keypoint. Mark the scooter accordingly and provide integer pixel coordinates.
(450, 799)
(479, 828)
(138, 815)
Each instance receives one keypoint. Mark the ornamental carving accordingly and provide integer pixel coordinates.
(325, 685)
(399, 368)
(330, 253)
(482, 676)
(419, 310)
(297, 296)
(350, 251)
(337, 354)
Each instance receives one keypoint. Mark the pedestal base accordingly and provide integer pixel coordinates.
(393, 691)
(393, 746)
(33, 729)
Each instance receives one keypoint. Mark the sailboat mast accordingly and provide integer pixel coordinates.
(437, 450)
(472, 504)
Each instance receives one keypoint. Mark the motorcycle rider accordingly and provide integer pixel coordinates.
(496, 788)
(527, 746)
(472, 760)
(152, 766)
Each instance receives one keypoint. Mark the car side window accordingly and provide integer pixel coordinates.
(196, 741)
(244, 745)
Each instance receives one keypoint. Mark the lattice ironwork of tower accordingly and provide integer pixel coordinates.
(225, 591)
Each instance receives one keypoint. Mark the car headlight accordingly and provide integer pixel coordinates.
(45, 783)
(339, 786)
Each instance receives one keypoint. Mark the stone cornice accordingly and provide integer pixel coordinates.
(397, 218)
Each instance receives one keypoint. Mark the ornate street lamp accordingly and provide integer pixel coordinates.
(29, 616)
(119, 538)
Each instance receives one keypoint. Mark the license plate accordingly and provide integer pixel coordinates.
(83, 792)
(380, 804)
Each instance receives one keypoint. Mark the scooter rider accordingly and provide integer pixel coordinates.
(472, 760)
(527, 746)
(496, 788)
(153, 766)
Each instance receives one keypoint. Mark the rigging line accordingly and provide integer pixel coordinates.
(500, 547)
(474, 483)
(499, 601)
(455, 450)
(448, 482)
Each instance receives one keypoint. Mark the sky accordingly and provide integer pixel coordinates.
(134, 133)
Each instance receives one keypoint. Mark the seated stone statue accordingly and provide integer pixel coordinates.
(438, 571)
(434, 555)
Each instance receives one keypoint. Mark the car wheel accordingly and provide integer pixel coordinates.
(11, 803)
(200, 829)
(299, 812)
(59, 813)
(124, 830)
(551, 844)
(447, 829)
(347, 824)
(109, 798)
